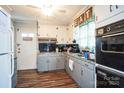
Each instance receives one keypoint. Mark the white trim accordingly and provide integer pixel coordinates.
(7, 14)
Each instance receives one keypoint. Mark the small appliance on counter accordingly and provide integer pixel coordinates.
(74, 48)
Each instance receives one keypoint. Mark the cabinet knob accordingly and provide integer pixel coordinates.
(116, 6)
(86, 65)
(110, 8)
(73, 66)
(108, 29)
(81, 72)
(96, 18)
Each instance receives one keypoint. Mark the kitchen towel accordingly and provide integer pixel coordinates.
(71, 64)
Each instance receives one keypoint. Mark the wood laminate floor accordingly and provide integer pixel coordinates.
(53, 79)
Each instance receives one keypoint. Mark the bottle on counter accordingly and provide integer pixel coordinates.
(57, 49)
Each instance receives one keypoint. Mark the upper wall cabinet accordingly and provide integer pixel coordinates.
(105, 12)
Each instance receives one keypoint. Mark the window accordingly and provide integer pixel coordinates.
(76, 34)
(85, 35)
(91, 35)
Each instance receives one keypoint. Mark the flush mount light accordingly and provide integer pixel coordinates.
(47, 9)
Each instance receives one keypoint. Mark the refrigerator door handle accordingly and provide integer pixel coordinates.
(12, 55)
(12, 66)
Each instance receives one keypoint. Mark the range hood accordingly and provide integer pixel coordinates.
(47, 40)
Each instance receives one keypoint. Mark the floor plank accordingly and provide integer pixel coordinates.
(52, 79)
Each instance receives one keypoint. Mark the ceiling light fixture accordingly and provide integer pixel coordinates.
(47, 10)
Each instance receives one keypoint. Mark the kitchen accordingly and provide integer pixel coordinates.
(64, 46)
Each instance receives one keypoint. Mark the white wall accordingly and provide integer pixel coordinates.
(62, 33)
(70, 32)
(28, 56)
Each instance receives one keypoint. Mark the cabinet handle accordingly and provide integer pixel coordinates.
(116, 6)
(86, 65)
(96, 18)
(110, 8)
(73, 67)
(81, 72)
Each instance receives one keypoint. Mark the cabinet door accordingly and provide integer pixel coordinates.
(77, 72)
(70, 72)
(116, 9)
(87, 78)
(66, 65)
(60, 62)
(105, 12)
(42, 64)
(52, 63)
(101, 12)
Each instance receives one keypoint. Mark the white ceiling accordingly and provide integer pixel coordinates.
(62, 15)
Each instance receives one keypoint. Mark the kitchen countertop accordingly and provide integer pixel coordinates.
(75, 55)
(51, 54)
(80, 58)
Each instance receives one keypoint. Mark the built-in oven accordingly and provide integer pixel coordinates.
(110, 46)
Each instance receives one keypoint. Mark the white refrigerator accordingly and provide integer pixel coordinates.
(6, 51)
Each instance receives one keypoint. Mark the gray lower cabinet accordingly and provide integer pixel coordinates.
(70, 72)
(49, 63)
(60, 61)
(42, 63)
(87, 78)
(77, 72)
(83, 72)
(67, 64)
(52, 63)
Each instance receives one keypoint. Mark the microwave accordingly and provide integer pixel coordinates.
(47, 47)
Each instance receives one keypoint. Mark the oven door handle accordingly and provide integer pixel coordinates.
(113, 35)
(102, 74)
